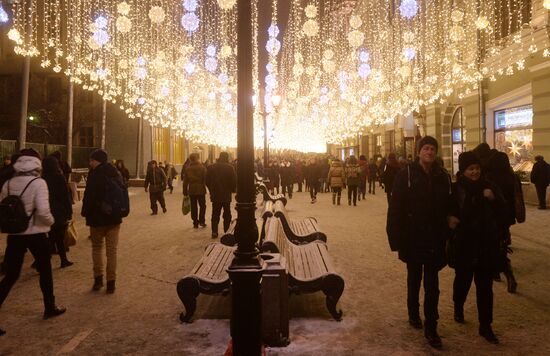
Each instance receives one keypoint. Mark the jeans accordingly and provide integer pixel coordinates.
(431, 291)
(17, 246)
(57, 239)
(352, 194)
(198, 216)
(109, 234)
(483, 278)
(216, 211)
(154, 197)
(313, 190)
(372, 185)
(541, 194)
(287, 188)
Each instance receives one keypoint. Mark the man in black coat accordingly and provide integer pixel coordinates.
(104, 228)
(417, 228)
(155, 183)
(287, 177)
(221, 181)
(540, 177)
(313, 174)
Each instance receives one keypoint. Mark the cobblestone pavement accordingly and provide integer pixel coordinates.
(141, 318)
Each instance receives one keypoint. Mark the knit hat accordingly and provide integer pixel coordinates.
(427, 140)
(466, 159)
(31, 152)
(99, 155)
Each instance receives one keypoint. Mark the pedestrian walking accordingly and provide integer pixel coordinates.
(417, 228)
(274, 172)
(373, 176)
(104, 205)
(194, 185)
(60, 206)
(155, 183)
(540, 177)
(389, 173)
(125, 174)
(364, 166)
(221, 181)
(29, 192)
(287, 178)
(336, 180)
(312, 178)
(299, 174)
(476, 217)
(171, 174)
(63, 165)
(352, 174)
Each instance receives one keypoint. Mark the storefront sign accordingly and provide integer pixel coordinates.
(519, 117)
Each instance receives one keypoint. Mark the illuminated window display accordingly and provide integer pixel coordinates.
(514, 133)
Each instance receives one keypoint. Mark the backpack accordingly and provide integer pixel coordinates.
(116, 202)
(13, 217)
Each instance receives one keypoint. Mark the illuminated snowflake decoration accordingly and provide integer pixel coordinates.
(328, 54)
(457, 33)
(364, 56)
(356, 38)
(101, 37)
(457, 15)
(355, 22)
(310, 28)
(329, 66)
(156, 14)
(4, 18)
(141, 101)
(482, 23)
(269, 67)
(15, 36)
(211, 50)
(311, 11)
(123, 24)
(141, 61)
(408, 37)
(165, 91)
(101, 22)
(141, 73)
(190, 22)
(273, 30)
(409, 53)
(123, 8)
(364, 70)
(225, 51)
(226, 4)
(273, 46)
(408, 8)
(223, 78)
(190, 5)
(211, 64)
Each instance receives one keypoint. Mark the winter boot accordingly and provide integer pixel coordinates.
(110, 287)
(487, 332)
(98, 283)
(459, 314)
(333, 198)
(51, 310)
(510, 279)
(338, 200)
(430, 332)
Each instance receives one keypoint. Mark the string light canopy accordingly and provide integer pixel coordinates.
(340, 66)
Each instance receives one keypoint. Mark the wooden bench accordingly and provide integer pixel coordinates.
(299, 231)
(262, 189)
(228, 238)
(310, 268)
(209, 276)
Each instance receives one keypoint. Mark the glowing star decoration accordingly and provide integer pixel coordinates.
(514, 149)
(273, 30)
(355, 22)
(190, 22)
(482, 23)
(356, 38)
(408, 8)
(409, 53)
(101, 22)
(364, 56)
(4, 18)
(15, 36)
(273, 46)
(225, 51)
(101, 38)
(123, 24)
(190, 5)
(211, 64)
(311, 11)
(310, 28)
(123, 8)
(156, 14)
(211, 50)
(364, 70)
(226, 4)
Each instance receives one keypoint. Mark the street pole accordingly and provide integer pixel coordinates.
(25, 87)
(70, 118)
(266, 148)
(103, 123)
(245, 270)
(138, 146)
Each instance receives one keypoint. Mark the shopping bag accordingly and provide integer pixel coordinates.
(186, 205)
(70, 234)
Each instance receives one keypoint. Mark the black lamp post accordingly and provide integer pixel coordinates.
(245, 271)
(275, 101)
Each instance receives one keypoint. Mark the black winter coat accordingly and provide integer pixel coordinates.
(287, 175)
(60, 198)
(155, 180)
(540, 175)
(388, 177)
(221, 181)
(481, 232)
(313, 174)
(94, 194)
(417, 214)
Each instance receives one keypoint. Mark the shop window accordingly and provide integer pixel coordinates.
(458, 136)
(378, 145)
(514, 133)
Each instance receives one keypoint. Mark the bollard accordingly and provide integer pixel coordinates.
(275, 316)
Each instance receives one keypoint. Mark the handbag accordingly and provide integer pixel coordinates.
(70, 234)
(186, 205)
